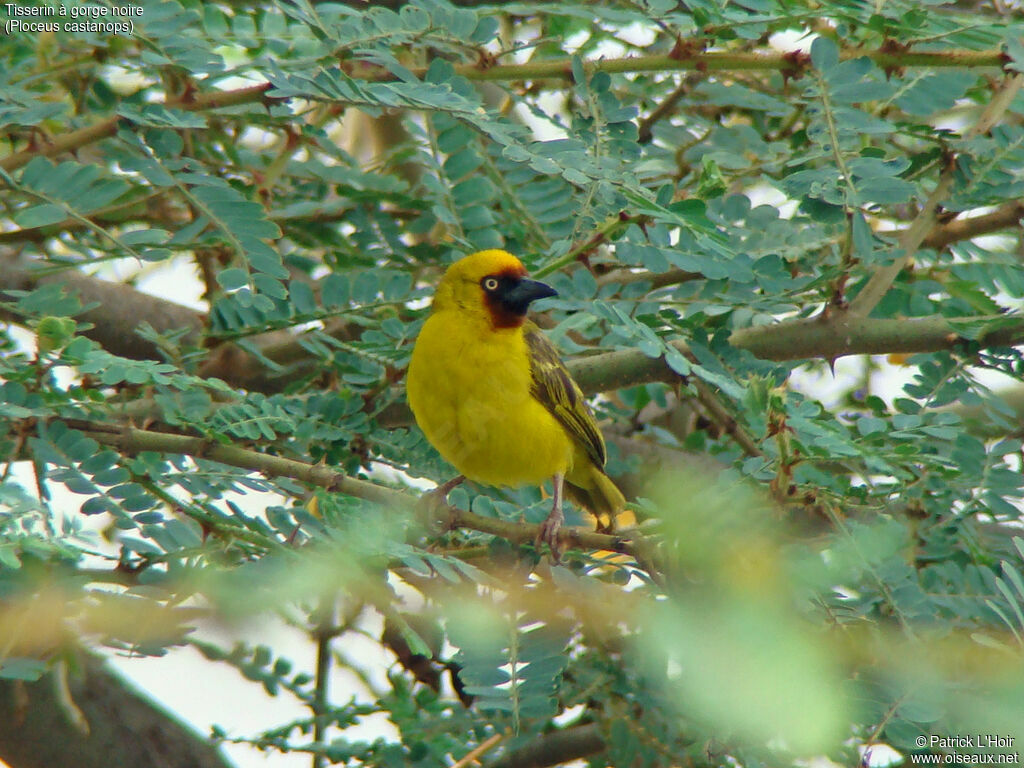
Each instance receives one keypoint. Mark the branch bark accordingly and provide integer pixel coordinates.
(124, 728)
(555, 748)
(820, 337)
(788, 61)
(1004, 217)
(120, 309)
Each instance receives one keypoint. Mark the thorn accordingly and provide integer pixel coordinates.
(485, 60)
(687, 49)
(890, 46)
(798, 62)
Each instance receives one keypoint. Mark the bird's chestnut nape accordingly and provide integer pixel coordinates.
(508, 296)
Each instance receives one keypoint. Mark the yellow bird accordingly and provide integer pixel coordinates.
(491, 394)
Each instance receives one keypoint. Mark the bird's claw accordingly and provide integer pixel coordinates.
(548, 534)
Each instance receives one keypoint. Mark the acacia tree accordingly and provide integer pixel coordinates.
(719, 205)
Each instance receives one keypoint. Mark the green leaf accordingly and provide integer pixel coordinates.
(824, 54)
(29, 670)
(40, 215)
(159, 115)
(869, 425)
(232, 279)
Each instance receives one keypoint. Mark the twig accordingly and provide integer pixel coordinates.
(656, 279)
(718, 61)
(721, 416)
(645, 126)
(479, 751)
(1005, 216)
(324, 632)
(560, 69)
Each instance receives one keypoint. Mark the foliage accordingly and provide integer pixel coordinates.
(808, 578)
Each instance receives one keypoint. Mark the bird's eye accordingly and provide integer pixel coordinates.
(490, 283)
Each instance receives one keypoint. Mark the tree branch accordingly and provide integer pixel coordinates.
(820, 337)
(90, 134)
(656, 279)
(720, 415)
(792, 62)
(848, 334)
(130, 441)
(912, 237)
(1004, 217)
(123, 727)
(121, 309)
(555, 748)
(645, 126)
(717, 61)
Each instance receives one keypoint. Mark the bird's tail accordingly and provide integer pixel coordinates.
(593, 490)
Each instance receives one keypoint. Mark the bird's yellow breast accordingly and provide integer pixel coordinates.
(468, 385)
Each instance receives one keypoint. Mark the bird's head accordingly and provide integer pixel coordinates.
(491, 285)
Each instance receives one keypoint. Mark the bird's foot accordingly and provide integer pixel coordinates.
(548, 533)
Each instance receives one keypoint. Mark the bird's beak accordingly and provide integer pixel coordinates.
(526, 291)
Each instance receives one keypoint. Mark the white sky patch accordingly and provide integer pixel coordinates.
(879, 756)
(766, 194)
(792, 40)
(573, 42)
(550, 102)
(886, 381)
(569, 715)
(388, 474)
(823, 385)
(182, 275)
(123, 81)
(257, 138)
(204, 694)
(421, 303)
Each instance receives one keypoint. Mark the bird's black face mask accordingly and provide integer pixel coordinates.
(508, 297)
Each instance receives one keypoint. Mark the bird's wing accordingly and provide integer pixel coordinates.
(554, 388)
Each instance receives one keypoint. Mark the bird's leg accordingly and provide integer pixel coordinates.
(549, 529)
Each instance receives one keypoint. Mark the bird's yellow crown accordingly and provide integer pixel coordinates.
(460, 286)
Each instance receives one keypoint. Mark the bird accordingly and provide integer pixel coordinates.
(491, 394)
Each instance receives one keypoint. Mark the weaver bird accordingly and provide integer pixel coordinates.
(492, 395)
